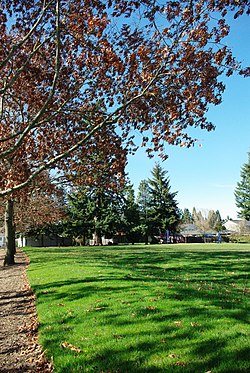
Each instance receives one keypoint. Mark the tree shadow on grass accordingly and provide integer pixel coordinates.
(194, 286)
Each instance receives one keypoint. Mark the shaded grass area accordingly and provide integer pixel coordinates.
(157, 308)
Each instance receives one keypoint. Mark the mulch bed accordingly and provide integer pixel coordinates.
(19, 348)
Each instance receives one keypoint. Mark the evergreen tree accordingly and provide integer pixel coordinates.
(186, 216)
(80, 222)
(95, 211)
(242, 192)
(164, 212)
(131, 215)
(194, 215)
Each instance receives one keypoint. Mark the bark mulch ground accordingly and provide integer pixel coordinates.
(19, 348)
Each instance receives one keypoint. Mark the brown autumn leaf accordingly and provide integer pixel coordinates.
(181, 363)
(172, 356)
(70, 347)
(195, 324)
(178, 323)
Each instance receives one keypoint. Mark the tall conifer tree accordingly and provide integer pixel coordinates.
(164, 211)
(242, 191)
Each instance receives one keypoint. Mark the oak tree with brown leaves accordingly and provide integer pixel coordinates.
(70, 69)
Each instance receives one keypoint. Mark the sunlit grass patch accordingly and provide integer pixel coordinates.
(159, 308)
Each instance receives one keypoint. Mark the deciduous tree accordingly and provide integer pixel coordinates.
(214, 220)
(69, 69)
(38, 206)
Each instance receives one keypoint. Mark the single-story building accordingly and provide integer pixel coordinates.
(238, 226)
(42, 240)
(192, 233)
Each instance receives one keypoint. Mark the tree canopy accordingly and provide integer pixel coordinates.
(72, 71)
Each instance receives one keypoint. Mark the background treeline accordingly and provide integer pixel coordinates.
(94, 211)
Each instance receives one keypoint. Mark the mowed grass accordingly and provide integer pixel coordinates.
(156, 308)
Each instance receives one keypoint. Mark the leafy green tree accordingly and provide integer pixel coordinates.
(242, 192)
(164, 211)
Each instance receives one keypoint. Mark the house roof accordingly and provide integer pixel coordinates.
(190, 230)
(237, 225)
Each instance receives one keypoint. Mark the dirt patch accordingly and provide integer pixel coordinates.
(19, 348)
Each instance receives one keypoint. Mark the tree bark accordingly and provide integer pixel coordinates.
(9, 233)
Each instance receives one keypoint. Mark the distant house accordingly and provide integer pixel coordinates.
(238, 226)
(191, 233)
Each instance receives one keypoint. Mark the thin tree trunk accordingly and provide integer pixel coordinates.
(97, 238)
(9, 233)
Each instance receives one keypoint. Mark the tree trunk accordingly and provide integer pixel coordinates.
(97, 238)
(9, 233)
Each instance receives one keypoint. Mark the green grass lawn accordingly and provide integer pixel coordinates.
(156, 308)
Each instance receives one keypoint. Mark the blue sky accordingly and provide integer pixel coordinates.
(206, 175)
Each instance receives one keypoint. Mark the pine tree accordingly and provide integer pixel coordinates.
(80, 221)
(186, 216)
(95, 211)
(164, 210)
(242, 191)
(131, 216)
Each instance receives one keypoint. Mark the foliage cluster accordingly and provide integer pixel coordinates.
(240, 238)
(212, 221)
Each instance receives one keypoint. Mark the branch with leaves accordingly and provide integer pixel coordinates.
(71, 69)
